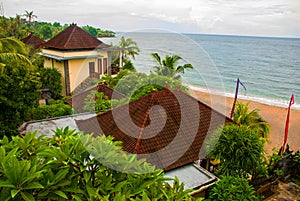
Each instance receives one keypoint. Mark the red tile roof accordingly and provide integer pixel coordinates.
(167, 128)
(74, 38)
(34, 41)
(77, 101)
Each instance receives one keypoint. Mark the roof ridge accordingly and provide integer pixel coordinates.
(71, 35)
(144, 122)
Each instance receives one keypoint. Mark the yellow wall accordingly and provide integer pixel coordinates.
(78, 68)
(79, 71)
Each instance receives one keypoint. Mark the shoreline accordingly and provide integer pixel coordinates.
(275, 115)
(263, 100)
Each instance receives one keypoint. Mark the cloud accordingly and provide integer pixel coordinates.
(247, 17)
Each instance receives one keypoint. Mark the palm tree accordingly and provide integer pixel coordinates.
(251, 119)
(30, 16)
(168, 67)
(129, 47)
(12, 49)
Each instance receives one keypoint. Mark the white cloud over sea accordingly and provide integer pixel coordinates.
(247, 17)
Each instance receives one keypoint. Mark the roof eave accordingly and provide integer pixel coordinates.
(58, 58)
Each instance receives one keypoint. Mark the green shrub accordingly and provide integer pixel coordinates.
(233, 189)
(96, 101)
(51, 79)
(62, 168)
(55, 109)
(240, 150)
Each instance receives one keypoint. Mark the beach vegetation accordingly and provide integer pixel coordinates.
(71, 166)
(243, 116)
(169, 66)
(128, 65)
(130, 48)
(233, 189)
(240, 151)
(136, 85)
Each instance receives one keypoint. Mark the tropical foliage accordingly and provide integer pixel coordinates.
(169, 66)
(11, 50)
(51, 79)
(61, 168)
(136, 85)
(251, 119)
(20, 28)
(130, 47)
(30, 16)
(240, 150)
(13, 27)
(97, 32)
(233, 189)
(56, 109)
(19, 85)
(96, 102)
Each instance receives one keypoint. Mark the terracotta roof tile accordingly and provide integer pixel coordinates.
(77, 101)
(74, 38)
(167, 128)
(34, 41)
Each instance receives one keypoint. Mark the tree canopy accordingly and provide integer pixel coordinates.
(19, 85)
(20, 28)
(251, 119)
(169, 66)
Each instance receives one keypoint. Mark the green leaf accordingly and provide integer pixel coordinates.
(2, 152)
(14, 192)
(34, 185)
(61, 194)
(145, 197)
(76, 197)
(61, 175)
(27, 196)
(6, 184)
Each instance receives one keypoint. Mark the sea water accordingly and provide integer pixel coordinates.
(269, 67)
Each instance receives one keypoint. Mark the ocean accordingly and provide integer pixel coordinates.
(269, 67)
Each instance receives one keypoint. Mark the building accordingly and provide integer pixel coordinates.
(167, 128)
(34, 41)
(79, 57)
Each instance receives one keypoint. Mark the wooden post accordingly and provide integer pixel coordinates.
(235, 97)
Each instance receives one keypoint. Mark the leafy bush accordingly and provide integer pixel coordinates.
(51, 79)
(129, 66)
(61, 168)
(96, 101)
(19, 86)
(240, 150)
(134, 83)
(56, 109)
(233, 189)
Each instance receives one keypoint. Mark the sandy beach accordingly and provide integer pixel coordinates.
(276, 116)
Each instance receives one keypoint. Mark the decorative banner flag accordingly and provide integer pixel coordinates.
(245, 88)
(238, 83)
(292, 101)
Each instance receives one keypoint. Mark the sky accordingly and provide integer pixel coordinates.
(280, 18)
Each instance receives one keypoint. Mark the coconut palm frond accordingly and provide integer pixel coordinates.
(251, 119)
(13, 45)
(168, 66)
